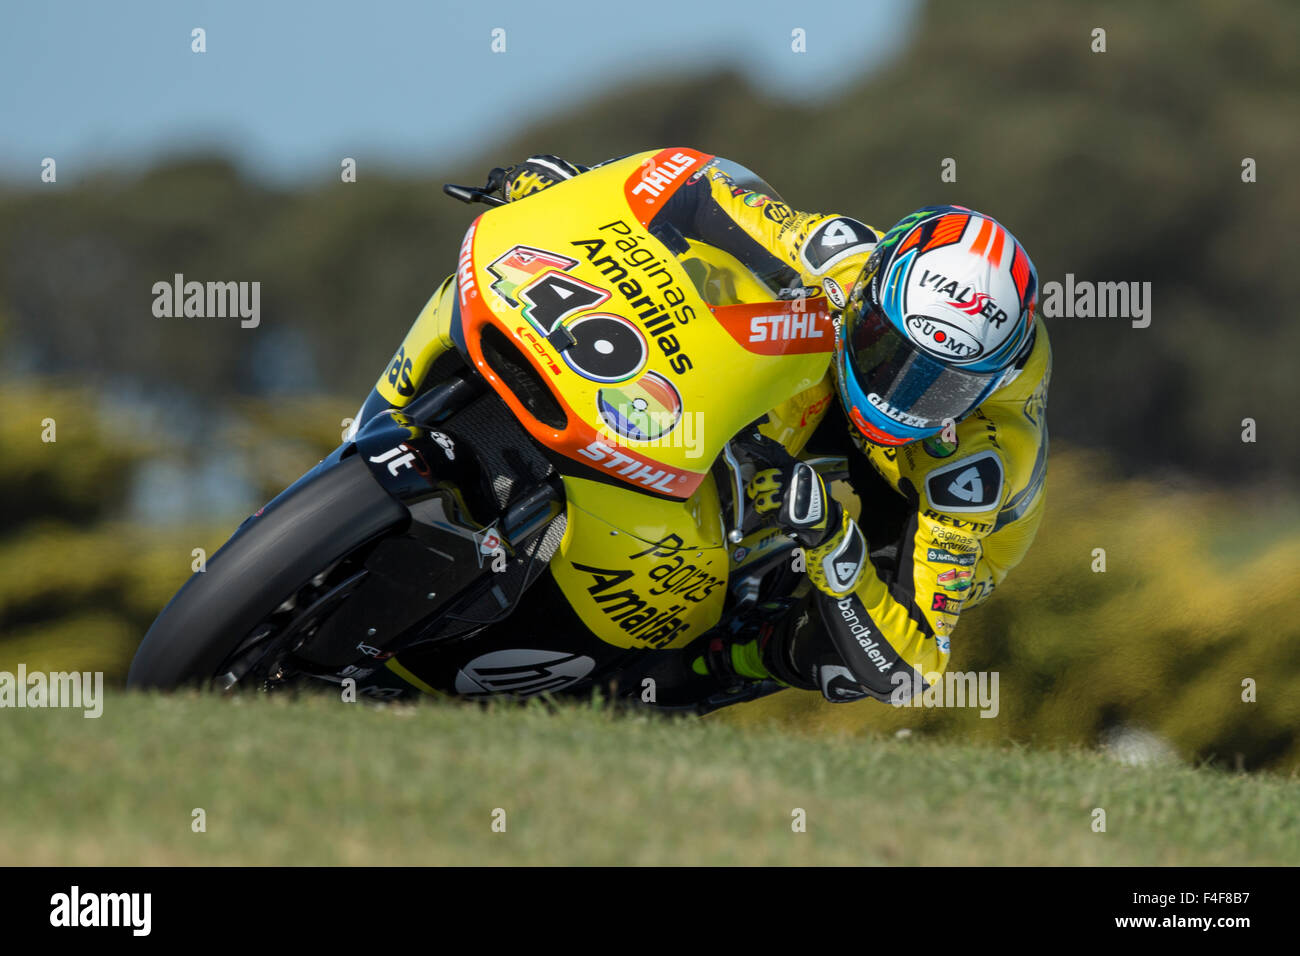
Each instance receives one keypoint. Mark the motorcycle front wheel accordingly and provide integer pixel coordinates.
(261, 594)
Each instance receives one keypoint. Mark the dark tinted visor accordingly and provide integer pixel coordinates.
(910, 386)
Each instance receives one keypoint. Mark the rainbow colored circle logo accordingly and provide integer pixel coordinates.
(643, 410)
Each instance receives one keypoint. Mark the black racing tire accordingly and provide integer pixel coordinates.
(322, 518)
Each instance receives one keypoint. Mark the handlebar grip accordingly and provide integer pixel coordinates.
(471, 194)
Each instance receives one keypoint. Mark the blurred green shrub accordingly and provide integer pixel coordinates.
(1198, 596)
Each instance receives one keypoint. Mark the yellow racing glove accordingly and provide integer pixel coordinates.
(802, 506)
(536, 173)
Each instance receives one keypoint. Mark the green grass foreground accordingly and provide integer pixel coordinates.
(317, 781)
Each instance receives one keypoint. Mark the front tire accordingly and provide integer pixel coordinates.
(320, 520)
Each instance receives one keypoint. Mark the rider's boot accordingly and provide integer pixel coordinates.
(757, 647)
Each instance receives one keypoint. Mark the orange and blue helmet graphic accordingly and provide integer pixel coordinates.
(940, 317)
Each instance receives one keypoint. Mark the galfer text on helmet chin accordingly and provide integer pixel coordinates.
(1084, 299)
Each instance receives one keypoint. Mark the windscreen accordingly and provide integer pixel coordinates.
(725, 263)
(745, 177)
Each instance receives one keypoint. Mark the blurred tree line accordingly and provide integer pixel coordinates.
(1117, 166)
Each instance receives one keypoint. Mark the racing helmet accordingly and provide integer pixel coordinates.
(941, 316)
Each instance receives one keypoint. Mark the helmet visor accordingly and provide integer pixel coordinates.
(901, 381)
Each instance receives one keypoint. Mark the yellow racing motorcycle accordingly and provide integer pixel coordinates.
(543, 493)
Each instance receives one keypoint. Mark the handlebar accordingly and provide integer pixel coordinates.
(472, 194)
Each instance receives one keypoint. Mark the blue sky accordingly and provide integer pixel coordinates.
(288, 88)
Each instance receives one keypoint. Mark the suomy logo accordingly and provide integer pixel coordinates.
(944, 339)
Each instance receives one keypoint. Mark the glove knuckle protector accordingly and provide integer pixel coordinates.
(536, 173)
(808, 512)
(836, 566)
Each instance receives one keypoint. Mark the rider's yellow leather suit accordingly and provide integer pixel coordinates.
(965, 510)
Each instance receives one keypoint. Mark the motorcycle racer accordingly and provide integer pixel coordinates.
(941, 366)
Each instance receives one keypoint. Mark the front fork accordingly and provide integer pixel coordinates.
(417, 579)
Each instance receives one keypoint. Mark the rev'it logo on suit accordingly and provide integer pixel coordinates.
(967, 485)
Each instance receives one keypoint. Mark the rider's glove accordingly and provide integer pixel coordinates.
(764, 490)
(837, 564)
(803, 508)
(536, 173)
(795, 497)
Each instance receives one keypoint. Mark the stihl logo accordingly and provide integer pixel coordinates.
(660, 479)
(783, 328)
(465, 268)
(660, 176)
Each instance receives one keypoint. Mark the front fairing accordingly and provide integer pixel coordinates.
(632, 361)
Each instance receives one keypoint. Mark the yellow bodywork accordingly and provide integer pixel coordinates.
(428, 337)
(657, 578)
(641, 571)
